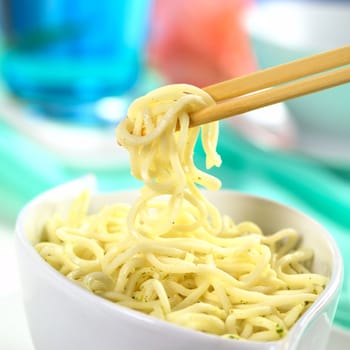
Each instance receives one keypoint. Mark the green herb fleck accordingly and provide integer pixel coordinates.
(279, 330)
(232, 336)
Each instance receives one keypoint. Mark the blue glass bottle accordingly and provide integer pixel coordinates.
(64, 55)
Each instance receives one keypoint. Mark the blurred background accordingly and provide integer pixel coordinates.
(69, 70)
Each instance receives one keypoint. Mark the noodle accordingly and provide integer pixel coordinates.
(172, 255)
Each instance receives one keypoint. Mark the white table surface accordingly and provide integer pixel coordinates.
(14, 333)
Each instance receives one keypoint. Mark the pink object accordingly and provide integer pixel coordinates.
(201, 41)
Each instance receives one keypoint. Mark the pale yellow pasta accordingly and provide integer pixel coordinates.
(171, 254)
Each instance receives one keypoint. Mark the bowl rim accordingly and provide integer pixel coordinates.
(75, 187)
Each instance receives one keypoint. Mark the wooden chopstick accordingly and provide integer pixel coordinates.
(280, 74)
(256, 90)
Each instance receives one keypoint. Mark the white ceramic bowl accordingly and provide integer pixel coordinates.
(282, 31)
(62, 315)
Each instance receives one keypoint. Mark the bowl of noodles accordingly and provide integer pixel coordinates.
(63, 313)
(179, 264)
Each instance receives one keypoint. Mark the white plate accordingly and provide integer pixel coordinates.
(14, 332)
(74, 145)
(273, 127)
(329, 149)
